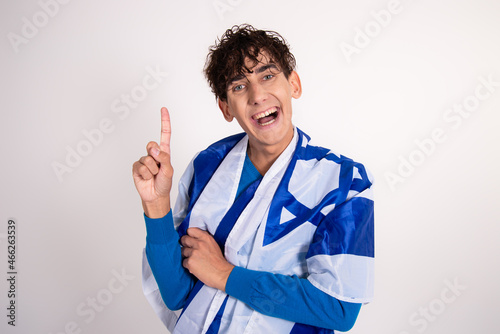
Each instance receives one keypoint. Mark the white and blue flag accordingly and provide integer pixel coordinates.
(311, 216)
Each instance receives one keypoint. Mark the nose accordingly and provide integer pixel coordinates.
(257, 94)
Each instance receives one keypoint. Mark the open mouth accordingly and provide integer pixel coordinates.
(267, 117)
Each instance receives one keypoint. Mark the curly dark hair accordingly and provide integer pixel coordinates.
(226, 58)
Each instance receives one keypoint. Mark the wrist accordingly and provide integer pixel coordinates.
(156, 209)
(225, 277)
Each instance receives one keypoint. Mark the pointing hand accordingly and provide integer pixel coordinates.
(153, 173)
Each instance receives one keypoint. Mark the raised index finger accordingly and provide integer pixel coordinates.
(165, 131)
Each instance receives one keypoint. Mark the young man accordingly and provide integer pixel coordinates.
(270, 234)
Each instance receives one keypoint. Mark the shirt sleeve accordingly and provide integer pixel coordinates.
(291, 298)
(163, 253)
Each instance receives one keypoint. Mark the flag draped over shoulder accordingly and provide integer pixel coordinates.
(310, 216)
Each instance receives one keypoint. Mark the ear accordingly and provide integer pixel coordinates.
(224, 107)
(295, 84)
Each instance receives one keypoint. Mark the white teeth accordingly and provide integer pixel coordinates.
(267, 123)
(266, 113)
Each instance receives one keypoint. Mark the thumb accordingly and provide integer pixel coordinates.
(163, 159)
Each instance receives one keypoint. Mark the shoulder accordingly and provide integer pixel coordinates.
(219, 149)
(327, 161)
(205, 163)
(332, 174)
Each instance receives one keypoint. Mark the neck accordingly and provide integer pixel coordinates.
(263, 156)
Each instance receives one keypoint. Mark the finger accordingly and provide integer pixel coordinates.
(152, 145)
(185, 263)
(135, 168)
(142, 171)
(196, 233)
(153, 150)
(150, 163)
(187, 241)
(186, 251)
(160, 157)
(165, 131)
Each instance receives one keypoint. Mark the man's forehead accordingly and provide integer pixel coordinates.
(262, 60)
(263, 64)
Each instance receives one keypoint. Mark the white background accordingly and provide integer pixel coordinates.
(438, 223)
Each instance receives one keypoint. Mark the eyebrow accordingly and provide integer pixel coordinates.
(258, 70)
(265, 68)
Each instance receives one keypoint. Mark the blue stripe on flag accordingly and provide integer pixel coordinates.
(205, 165)
(215, 325)
(207, 162)
(227, 223)
(348, 229)
(284, 199)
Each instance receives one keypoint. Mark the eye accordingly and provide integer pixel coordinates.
(269, 76)
(238, 87)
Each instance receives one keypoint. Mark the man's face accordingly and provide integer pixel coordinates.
(261, 102)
